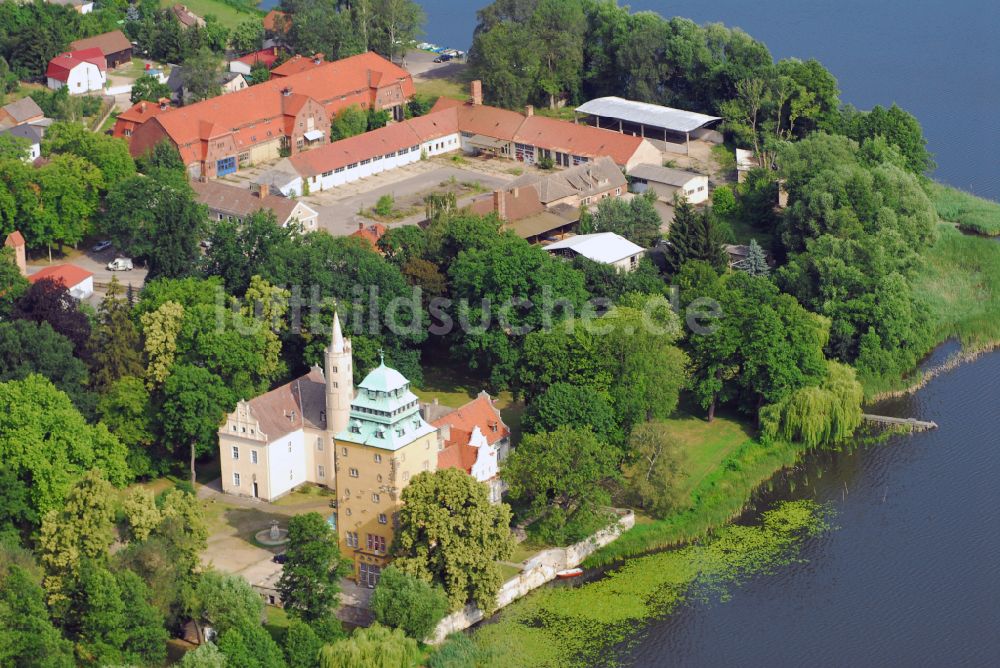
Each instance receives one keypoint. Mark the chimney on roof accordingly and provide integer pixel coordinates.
(529, 110)
(262, 190)
(361, 226)
(142, 107)
(500, 204)
(476, 88)
(317, 58)
(164, 103)
(286, 91)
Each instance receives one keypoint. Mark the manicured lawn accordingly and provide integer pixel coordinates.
(228, 15)
(507, 572)
(706, 444)
(525, 550)
(453, 88)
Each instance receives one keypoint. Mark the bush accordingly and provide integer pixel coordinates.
(546, 162)
(385, 205)
(408, 603)
(458, 651)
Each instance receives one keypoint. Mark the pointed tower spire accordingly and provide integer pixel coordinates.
(339, 376)
(337, 339)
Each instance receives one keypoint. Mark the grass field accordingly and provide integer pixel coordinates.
(726, 464)
(228, 15)
(453, 88)
(970, 213)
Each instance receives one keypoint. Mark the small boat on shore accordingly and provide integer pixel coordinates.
(569, 573)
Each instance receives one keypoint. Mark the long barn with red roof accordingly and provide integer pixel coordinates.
(292, 113)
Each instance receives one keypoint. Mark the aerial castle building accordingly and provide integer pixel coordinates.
(364, 443)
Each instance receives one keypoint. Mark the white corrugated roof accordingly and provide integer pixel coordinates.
(654, 115)
(606, 247)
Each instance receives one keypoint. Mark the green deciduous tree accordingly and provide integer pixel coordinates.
(247, 36)
(226, 602)
(374, 647)
(558, 474)
(206, 655)
(165, 231)
(201, 74)
(406, 602)
(109, 154)
(195, 400)
(27, 637)
(818, 414)
(566, 404)
(251, 646)
(309, 584)
(450, 534)
(301, 645)
(636, 220)
(126, 410)
(47, 446)
(27, 347)
(348, 122)
(654, 473)
(160, 329)
(149, 88)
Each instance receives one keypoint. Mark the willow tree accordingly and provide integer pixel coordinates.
(817, 414)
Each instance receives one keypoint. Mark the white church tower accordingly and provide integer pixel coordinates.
(339, 380)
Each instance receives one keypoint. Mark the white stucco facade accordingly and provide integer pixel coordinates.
(83, 78)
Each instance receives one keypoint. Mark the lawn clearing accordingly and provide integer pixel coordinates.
(440, 87)
(228, 15)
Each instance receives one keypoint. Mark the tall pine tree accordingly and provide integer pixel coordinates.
(756, 262)
(693, 236)
(114, 343)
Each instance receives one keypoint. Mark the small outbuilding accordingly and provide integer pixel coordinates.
(115, 46)
(78, 281)
(667, 182)
(603, 247)
(20, 111)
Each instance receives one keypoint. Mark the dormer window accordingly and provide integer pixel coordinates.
(379, 433)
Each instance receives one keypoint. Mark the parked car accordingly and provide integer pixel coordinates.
(101, 245)
(120, 264)
(444, 58)
(280, 558)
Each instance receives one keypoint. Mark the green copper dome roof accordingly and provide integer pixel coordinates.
(384, 379)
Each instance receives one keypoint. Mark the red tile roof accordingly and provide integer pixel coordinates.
(459, 454)
(298, 64)
(348, 151)
(60, 66)
(271, 21)
(266, 57)
(257, 114)
(370, 233)
(136, 115)
(480, 412)
(69, 275)
(14, 239)
(586, 140)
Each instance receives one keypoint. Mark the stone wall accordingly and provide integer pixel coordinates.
(538, 570)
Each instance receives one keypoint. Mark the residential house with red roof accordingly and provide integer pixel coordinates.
(288, 114)
(245, 64)
(81, 71)
(370, 233)
(77, 280)
(475, 438)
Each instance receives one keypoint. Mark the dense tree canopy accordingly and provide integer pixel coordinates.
(309, 583)
(451, 535)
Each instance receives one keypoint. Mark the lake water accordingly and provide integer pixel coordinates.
(938, 60)
(910, 578)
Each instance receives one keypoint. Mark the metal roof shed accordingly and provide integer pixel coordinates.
(645, 115)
